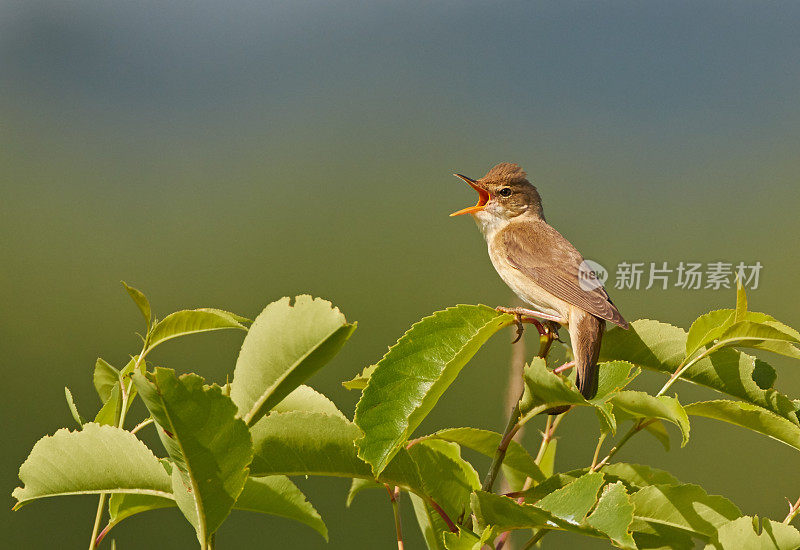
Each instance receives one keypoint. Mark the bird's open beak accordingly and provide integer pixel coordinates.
(483, 197)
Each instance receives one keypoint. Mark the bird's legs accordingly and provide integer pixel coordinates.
(524, 315)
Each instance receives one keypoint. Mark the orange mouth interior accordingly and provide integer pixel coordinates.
(483, 197)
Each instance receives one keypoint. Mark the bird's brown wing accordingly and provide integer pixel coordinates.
(543, 254)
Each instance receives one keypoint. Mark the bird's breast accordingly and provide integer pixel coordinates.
(525, 287)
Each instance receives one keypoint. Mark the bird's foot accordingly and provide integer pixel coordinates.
(523, 315)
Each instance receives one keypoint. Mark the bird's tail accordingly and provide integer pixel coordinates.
(586, 334)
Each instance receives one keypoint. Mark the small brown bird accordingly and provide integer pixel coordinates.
(541, 266)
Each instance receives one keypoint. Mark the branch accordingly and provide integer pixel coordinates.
(394, 497)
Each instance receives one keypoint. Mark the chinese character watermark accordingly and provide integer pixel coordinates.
(663, 275)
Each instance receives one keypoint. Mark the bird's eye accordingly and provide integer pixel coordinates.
(505, 192)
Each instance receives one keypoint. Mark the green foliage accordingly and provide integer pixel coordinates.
(286, 345)
(414, 374)
(235, 447)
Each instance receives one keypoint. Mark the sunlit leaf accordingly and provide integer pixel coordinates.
(613, 515)
(572, 502)
(192, 321)
(94, 460)
(745, 533)
(73, 409)
(360, 484)
(286, 344)
(141, 302)
(662, 347)
(642, 405)
(750, 417)
(486, 443)
(105, 377)
(359, 382)
(209, 445)
(278, 496)
(431, 524)
(686, 507)
(305, 398)
(415, 372)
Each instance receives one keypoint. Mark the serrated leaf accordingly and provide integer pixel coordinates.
(305, 443)
(209, 445)
(359, 485)
(661, 347)
(306, 398)
(73, 409)
(446, 477)
(274, 495)
(141, 302)
(359, 382)
(415, 372)
(278, 496)
(545, 389)
(192, 321)
(122, 506)
(759, 336)
(97, 459)
(285, 346)
(685, 507)
(572, 502)
(505, 514)
(463, 540)
(751, 417)
(486, 443)
(105, 377)
(707, 328)
(642, 405)
(744, 533)
(431, 525)
(548, 460)
(613, 515)
(638, 475)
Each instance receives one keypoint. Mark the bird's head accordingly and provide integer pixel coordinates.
(503, 194)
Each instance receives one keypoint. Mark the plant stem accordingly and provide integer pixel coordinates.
(394, 497)
(597, 449)
(794, 509)
(142, 424)
(683, 367)
(98, 517)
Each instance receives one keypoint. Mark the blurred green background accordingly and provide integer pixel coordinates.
(227, 154)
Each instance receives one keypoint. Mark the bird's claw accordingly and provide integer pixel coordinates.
(520, 327)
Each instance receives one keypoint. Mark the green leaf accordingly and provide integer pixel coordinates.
(504, 514)
(642, 405)
(637, 476)
(446, 477)
(359, 382)
(359, 485)
(108, 414)
(305, 398)
(96, 459)
(662, 347)
(306, 443)
(122, 506)
(744, 533)
(192, 321)
(278, 496)
(573, 502)
(751, 417)
(685, 507)
(72, 407)
(208, 443)
(285, 345)
(463, 540)
(486, 443)
(759, 336)
(274, 495)
(141, 302)
(741, 301)
(431, 524)
(104, 378)
(613, 515)
(544, 389)
(707, 328)
(548, 461)
(415, 372)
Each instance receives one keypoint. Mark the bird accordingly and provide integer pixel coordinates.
(541, 266)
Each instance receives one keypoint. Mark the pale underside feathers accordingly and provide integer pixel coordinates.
(551, 262)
